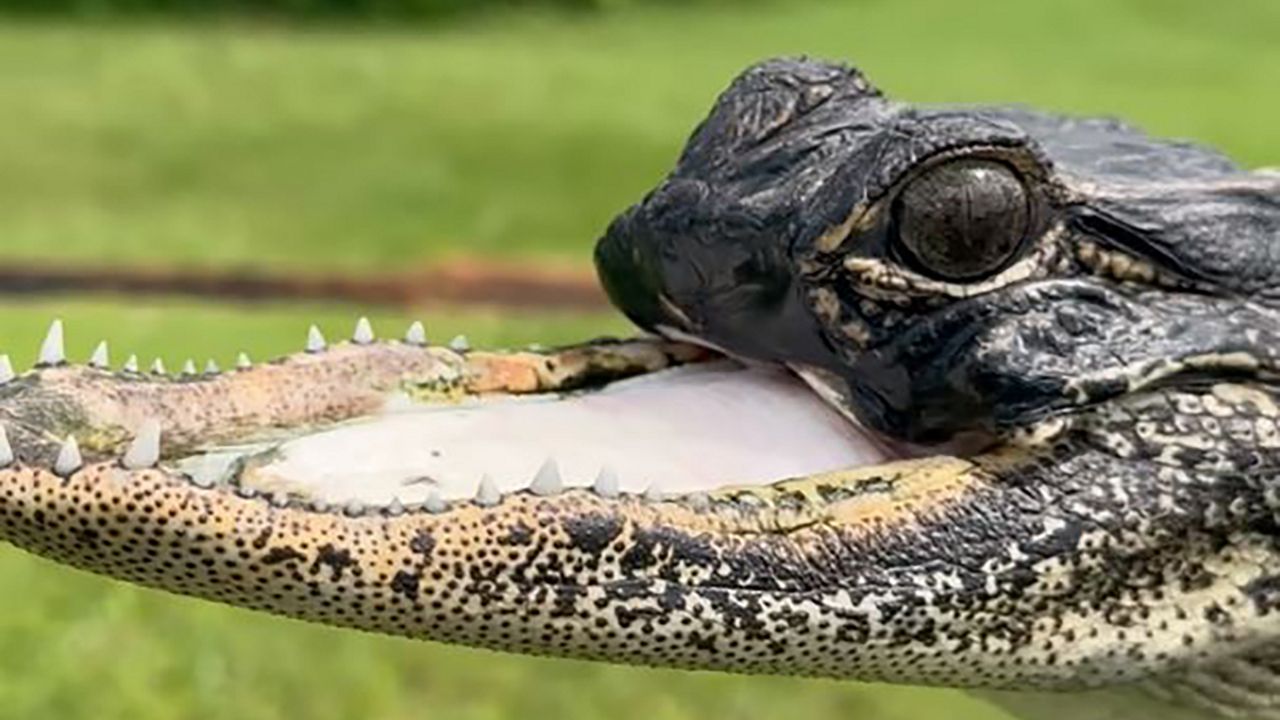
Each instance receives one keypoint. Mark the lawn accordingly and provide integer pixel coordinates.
(377, 148)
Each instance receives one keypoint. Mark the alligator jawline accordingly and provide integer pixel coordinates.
(495, 563)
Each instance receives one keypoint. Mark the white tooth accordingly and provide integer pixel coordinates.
(698, 501)
(243, 362)
(6, 369)
(6, 450)
(101, 357)
(144, 451)
(364, 332)
(69, 459)
(157, 367)
(189, 367)
(487, 494)
(315, 340)
(211, 368)
(547, 480)
(459, 344)
(131, 365)
(416, 334)
(395, 507)
(52, 351)
(654, 494)
(606, 484)
(435, 503)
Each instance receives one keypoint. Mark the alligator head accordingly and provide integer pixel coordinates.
(978, 397)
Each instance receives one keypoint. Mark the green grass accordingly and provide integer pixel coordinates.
(175, 330)
(75, 646)
(255, 145)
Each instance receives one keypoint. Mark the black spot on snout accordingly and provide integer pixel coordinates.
(337, 559)
(593, 533)
(278, 555)
(406, 583)
(424, 543)
(518, 534)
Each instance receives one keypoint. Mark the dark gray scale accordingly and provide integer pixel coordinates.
(1110, 148)
(1188, 208)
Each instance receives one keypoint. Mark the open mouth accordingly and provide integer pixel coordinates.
(660, 431)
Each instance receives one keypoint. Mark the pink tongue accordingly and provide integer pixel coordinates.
(683, 430)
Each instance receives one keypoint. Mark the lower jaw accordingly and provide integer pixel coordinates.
(688, 429)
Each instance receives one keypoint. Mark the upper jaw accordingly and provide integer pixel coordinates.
(380, 422)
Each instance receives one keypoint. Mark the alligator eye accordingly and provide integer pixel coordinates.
(964, 219)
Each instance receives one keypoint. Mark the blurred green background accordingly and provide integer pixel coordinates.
(349, 144)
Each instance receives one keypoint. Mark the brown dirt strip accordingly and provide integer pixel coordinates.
(461, 281)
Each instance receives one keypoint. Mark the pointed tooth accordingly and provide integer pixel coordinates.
(6, 369)
(101, 357)
(698, 501)
(654, 494)
(395, 507)
(189, 367)
(353, 508)
(434, 503)
(363, 334)
(131, 365)
(487, 495)
(315, 340)
(606, 484)
(157, 367)
(52, 351)
(6, 450)
(416, 334)
(211, 367)
(547, 480)
(144, 451)
(459, 344)
(243, 362)
(69, 459)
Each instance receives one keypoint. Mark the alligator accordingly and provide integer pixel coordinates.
(979, 397)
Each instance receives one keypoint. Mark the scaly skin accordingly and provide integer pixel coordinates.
(918, 571)
(1091, 379)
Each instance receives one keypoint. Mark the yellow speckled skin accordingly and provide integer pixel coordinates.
(571, 575)
(627, 579)
(925, 570)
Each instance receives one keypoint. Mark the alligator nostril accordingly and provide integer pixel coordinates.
(628, 268)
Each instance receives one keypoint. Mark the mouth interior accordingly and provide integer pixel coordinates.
(687, 429)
